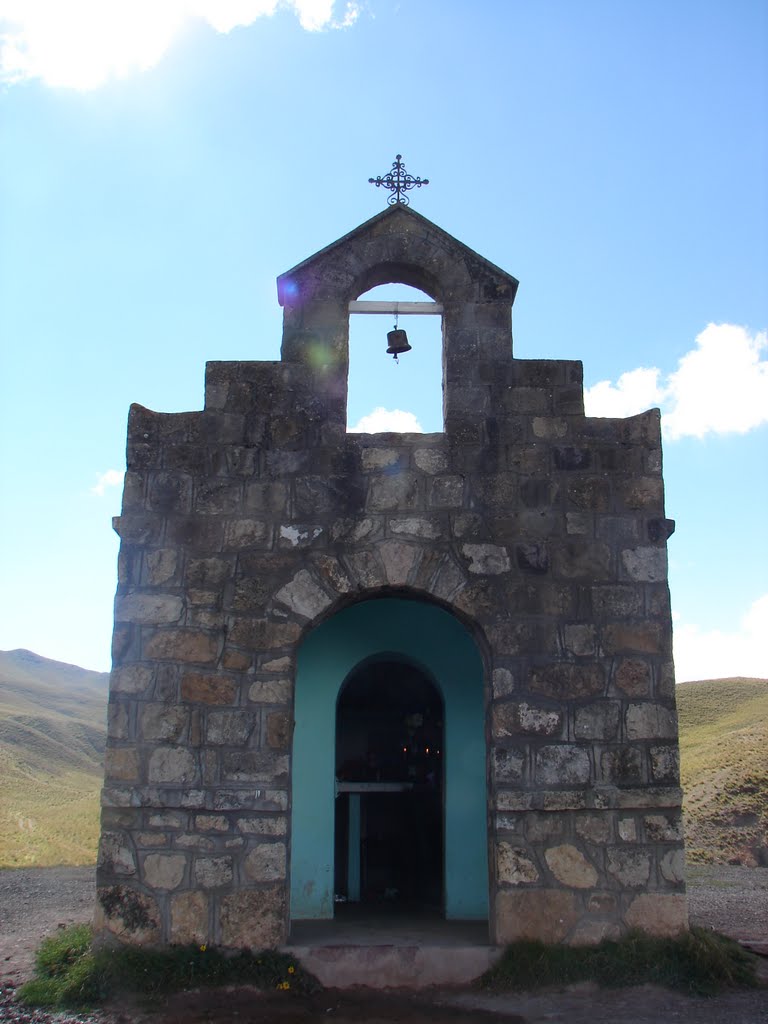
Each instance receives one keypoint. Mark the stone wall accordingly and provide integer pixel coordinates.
(247, 523)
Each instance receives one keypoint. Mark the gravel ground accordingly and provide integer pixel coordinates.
(733, 900)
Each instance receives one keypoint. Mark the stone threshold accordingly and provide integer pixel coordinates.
(385, 949)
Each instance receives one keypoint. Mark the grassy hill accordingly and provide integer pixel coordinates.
(724, 768)
(52, 732)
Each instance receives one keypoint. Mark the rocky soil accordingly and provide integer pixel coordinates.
(733, 900)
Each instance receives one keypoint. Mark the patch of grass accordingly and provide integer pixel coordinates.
(71, 974)
(698, 962)
(724, 769)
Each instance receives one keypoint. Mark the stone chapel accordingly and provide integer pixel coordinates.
(421, 670)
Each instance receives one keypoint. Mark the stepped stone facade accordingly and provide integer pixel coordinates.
(246, 524)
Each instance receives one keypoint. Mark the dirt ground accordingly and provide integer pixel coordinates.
(733, 900)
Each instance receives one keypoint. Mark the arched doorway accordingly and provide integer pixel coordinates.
(433, 642)
(388, 848)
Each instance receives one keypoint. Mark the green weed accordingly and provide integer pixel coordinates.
(697, 963)
(71, 974)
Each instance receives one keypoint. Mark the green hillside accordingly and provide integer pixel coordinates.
(724, 768)
(52, 732)
(52, 735)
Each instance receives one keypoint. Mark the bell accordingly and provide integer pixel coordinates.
(397, 342)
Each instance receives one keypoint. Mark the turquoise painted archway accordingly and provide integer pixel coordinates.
(433, 639)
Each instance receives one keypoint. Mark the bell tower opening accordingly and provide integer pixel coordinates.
(386, 394)
(389, 830)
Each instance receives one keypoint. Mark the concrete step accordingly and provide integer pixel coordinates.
(394, 966)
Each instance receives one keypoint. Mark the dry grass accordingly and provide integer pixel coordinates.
(724, 769)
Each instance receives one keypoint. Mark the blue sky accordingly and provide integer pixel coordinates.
(163, 162)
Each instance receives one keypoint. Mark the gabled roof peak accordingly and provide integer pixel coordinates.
(396, 235)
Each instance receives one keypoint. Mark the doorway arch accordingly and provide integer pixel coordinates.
(428, 637)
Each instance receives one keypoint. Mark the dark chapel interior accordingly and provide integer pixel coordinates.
(389, 803)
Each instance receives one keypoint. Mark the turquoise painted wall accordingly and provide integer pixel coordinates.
(438, 643)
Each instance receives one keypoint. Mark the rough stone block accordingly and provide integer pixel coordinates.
(398, 560)
(420, 527)
(270, 691)
(633, 677)
(189, 919)
(594, 828)
(597, 721)
(266, 863)
(164, 870)
(543, 826)
(304, 596)
(645, 565)
(514, 718)
(230, 728)
(622, 766)
(665, 763)
(163, 722)
(663, 828)
(650, 722)
(148, 609)
(245, 766)
(211, 823)
(132, 917)
(279, 730)
(546, 915)
(255, 919)
(662, 914)
(274, 825)
(185, 645)
(446, 492)
(631, 868)
(567, 765)
(634, 637)
(213, 872)
(172, 764)
(160, 566)
(131, 679)
(393, 492)
(672, 866)
(430, 460)
(571, 867)
(116, 856)
(204, 689)
(514, 866)
(121, 764)
(566, 681)
(246, 533)
(508, 764)
(579, 639)
(627, 829)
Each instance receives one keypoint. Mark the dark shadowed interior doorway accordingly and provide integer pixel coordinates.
(389, 821)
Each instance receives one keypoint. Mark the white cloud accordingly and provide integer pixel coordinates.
(714, 654)
(719, 387)
(381, 420)
(112, 478)
(633, 392)
(81, 44)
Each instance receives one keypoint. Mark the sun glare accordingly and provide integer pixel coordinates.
(83, 43)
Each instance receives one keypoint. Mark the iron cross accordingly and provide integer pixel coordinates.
(398, 181)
